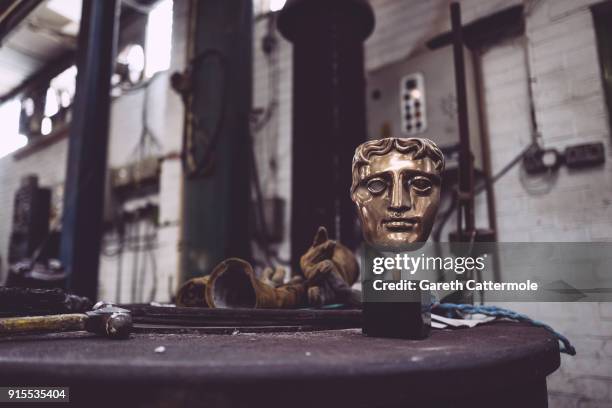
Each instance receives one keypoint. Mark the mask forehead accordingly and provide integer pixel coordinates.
(397, 162)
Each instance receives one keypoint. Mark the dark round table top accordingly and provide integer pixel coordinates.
(288, 367)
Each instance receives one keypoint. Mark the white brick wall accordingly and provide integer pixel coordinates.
(570, 109)
(165, 113)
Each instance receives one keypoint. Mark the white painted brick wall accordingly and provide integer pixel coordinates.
(165, 118)
(570, 109)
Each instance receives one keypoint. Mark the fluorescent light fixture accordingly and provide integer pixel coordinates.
(46, 126)
(28, 106)
(66, 80)
(10, 139)
(158, 39)
(51, 102)
(276, 5)
(71, 9)
(65, 99)
(136, 58)
(133, 56)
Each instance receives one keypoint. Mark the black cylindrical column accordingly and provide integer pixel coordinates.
(328, 113)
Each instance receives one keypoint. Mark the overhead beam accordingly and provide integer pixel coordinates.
(486, 31)
(13, 14)
(42, 77)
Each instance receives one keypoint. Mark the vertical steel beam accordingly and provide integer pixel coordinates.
(87, 152)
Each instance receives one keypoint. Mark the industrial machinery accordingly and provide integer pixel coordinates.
(30, 219)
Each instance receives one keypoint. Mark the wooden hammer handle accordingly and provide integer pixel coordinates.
(38, 324)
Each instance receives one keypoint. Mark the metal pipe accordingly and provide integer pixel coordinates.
(87, 151)
(484, 141)
(486, 160)
(466, 160)
(533, 122)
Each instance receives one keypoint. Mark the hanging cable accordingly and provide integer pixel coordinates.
(197, 160)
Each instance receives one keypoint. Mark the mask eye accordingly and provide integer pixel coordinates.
(376, 185)
(421, 185)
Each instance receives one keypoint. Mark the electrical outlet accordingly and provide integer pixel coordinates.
(584, 155)
(537, 160)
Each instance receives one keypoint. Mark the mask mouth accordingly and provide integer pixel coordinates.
(400, 224)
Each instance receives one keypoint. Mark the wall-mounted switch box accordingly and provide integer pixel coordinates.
(584, 155)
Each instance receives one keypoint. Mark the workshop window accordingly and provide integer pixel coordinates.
(130, 65)
(266, 6)
(158, 43)
(11, 140)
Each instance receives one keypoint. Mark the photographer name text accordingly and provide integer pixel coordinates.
(410, 285)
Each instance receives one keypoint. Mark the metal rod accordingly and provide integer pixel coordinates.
(533, 122)
(484, 141)
(466, 163)
(486, 162)
(87, 151)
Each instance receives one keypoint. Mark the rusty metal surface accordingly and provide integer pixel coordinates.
(505, 359)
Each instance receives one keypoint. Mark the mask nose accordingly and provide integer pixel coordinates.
(400, 198)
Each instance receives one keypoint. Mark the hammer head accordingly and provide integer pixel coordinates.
(109, 321)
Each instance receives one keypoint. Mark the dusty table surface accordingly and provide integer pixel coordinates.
(339, 364)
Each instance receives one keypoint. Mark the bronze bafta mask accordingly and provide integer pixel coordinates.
(396, 187)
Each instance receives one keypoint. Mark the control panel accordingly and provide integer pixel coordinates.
(413, 108)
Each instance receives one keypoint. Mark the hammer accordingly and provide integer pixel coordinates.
(104, 319)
